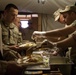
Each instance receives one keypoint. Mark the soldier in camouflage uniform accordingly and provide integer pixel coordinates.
(69, 14)
(10, 38)
(10, 42)
(10, 34)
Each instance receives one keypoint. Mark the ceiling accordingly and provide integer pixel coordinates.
(32, 6)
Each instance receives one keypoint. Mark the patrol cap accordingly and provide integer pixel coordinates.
(69, 8)
(57, 14)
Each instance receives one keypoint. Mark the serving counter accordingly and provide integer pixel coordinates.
(47, 63)
(58, 67)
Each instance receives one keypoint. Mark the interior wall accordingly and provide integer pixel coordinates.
(43, 22)
(27, 32)
(48, 23)
(35, 23)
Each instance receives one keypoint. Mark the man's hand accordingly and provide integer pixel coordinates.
(16, 48)
(13, 47)
(37, 34)
(47, 43)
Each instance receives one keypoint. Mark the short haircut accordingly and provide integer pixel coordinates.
(11, 6)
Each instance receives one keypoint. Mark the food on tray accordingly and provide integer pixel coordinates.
(38, 57)
(30, 59)
(29, 44)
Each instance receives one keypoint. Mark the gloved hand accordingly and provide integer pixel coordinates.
(47, 44)
(37, 34)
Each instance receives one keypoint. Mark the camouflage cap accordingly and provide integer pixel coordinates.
(57, 14)
(69, 8)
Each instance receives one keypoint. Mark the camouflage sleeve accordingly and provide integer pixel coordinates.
(20, 39)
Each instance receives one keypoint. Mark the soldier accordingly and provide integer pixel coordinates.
(10, 33)
(69, 14)
(10, 42)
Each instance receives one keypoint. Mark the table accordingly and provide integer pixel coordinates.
(65, 69)
(38, 68)
(61, 63)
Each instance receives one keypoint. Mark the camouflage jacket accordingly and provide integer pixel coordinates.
(10, 34)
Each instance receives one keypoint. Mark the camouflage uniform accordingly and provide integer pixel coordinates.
(10, 36)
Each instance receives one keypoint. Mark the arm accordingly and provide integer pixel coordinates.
(10, 47)
(55, 35)
(60, 32)
(68, 42)
(55, 39)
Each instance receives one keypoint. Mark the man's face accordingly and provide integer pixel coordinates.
(11, 15)
(68, 18)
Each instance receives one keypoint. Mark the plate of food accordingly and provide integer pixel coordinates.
(31, 60)
(28, 44)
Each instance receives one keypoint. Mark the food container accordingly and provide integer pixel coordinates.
(58, 60)
(62, 63)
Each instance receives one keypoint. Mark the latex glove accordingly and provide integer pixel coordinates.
(37, 34)
(47, 43)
